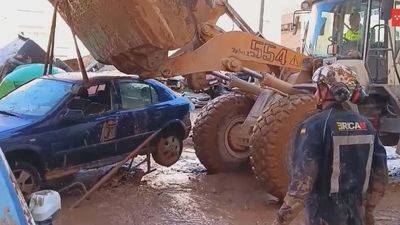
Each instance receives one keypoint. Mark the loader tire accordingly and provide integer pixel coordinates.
(214, 144)
(272, 139)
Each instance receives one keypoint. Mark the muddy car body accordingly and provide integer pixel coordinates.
(16, 210)
(54, 126)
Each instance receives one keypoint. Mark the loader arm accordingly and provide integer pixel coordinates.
(231, 51)
(136, 36)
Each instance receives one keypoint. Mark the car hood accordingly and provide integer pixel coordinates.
(12, 122)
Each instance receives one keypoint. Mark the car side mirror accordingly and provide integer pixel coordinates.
(72, 115)
(44, 206)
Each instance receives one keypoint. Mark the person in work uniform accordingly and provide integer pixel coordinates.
(339, 168)
(352, 37)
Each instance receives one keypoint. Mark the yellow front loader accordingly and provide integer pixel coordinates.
(154, 38)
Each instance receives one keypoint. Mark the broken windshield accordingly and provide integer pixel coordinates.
(35, 98)
(338, 23)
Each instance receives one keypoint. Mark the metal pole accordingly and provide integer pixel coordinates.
(114, 170)
(236, 18)
(262, 16)
(50, 45)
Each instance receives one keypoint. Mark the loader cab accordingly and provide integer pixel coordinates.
(359, 34)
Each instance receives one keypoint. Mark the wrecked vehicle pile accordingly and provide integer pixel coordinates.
(54, 126)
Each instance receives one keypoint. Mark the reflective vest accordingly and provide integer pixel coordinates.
(352, 35)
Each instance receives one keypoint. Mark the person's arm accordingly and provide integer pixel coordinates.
(304, 173)
(378, 180)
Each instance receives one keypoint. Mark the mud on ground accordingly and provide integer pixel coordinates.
(184, 195)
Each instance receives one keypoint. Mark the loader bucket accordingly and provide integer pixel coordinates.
(134, 35)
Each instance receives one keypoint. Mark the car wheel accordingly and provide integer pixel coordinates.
(168, 150)
(27, 177)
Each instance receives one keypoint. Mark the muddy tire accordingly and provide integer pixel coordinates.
(168, 150)
(272, 139)
(27, 177)
(213, 132)
(389, 139)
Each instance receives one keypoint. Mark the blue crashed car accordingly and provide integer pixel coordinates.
(54, 126)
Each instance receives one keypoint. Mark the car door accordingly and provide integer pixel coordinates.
(94, 136)
(68, 141)
(103, 120)
(138, 113)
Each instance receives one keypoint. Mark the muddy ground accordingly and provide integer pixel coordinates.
(184, 194)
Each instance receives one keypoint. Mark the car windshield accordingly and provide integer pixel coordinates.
(340, 22)
(35, 98)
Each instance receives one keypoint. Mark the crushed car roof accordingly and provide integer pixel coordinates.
(76, 77)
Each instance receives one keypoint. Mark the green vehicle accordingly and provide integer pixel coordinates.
(21, 75)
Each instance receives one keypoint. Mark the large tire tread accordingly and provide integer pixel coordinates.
(272, 138)
(205, 131)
